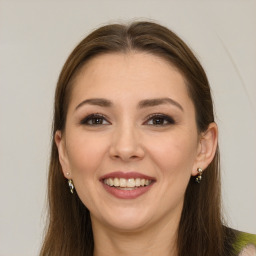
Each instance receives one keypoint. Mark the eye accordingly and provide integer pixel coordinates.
(95, 119)
(160, 120)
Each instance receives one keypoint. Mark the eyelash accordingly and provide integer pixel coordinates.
(167, 120)
(164, 118)
(91, 117)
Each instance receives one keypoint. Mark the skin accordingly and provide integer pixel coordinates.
(249, 250)
(128, 139)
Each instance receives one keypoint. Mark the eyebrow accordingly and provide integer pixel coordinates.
(96, 101)
(159, 101)
(142, 104)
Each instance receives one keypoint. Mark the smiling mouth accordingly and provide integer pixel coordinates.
(127, 184)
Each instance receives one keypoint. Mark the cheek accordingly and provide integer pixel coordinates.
(174, 154)
(85, 153)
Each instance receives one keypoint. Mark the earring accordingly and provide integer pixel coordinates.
(71, 186)
(199, 176)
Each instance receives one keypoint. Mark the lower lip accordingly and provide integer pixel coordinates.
(127, 194)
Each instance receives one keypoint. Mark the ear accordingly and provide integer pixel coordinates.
(206, 148)
(63, 158)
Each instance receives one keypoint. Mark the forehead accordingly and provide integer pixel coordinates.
(132, 75)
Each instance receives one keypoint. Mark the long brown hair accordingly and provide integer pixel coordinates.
(201, 231)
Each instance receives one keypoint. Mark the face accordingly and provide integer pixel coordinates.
(130, 142)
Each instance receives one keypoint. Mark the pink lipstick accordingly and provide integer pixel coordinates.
(126, 175)
(129, 185)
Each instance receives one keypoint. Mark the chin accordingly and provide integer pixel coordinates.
(128, 225)
(124, 219)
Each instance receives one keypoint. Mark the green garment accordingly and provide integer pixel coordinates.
(242, 240)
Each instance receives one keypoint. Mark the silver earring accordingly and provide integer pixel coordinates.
(199, 176)
(71, 186)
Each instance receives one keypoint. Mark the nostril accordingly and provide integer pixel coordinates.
(126, 148)
(128, 157)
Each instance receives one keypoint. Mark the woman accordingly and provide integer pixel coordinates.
(135, 163)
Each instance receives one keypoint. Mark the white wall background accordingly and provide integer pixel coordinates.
(36, 38)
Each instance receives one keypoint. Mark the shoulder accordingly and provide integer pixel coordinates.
(244, 244)
(249, 250)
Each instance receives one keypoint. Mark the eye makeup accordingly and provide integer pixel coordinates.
(158, 119)
(95, 119)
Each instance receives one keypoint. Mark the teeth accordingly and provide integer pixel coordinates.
(111, 182)
(130, 183)
(137, 182)
(127, 183)
(116, 182)
(122, 183)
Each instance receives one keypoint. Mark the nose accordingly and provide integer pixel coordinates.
(126, 144)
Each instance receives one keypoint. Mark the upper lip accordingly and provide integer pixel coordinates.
(126, 175)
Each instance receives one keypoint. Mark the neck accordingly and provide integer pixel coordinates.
(159, 239)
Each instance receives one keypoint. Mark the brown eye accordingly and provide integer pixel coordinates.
(160, 120)
(95, 119)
